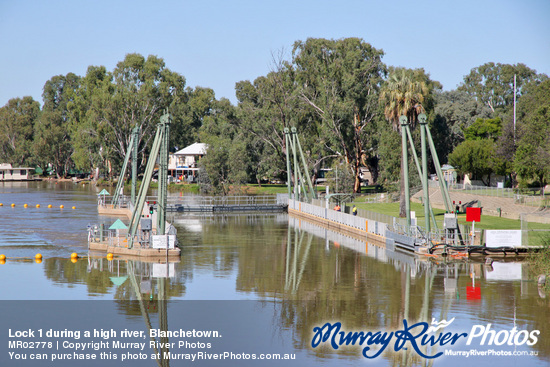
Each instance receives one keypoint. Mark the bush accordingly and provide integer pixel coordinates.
(539, 261)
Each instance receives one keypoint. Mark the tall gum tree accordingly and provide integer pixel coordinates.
(91, 151)
(17, 120)
(52, 132)
(135, 96)
(339, 81)
(532, 157)
(493, 84)
(266, 107)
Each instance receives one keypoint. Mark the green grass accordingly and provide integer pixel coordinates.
(265, 189)
(487, 221)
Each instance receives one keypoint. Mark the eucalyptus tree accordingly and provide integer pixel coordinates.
(17, 120)
(478, 153)
(532, 157)
(135, 95)
(493, 84)
(226, 160)
(339, 81)
(52, 143)
(188, 115)
(266, 107)
(404, 94)
(454, 112)
(88, 135)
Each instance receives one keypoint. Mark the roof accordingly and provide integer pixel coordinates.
(118, 225)
(193, 149)
(9, 166)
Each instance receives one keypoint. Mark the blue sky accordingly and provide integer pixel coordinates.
(216, 43)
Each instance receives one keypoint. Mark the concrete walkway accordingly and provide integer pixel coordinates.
(490, 204)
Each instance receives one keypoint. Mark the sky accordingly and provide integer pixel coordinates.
(217, 43)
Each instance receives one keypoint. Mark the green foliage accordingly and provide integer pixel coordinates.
(403, 94)
(110, 105)
(53, 143)
(532, 157)
(539, 261)
(341, 178)
(476, 157)
(87, 134)
(266, 107)
(484, 129)
(339, 82)
(17, 120)
(454, 112)
(225, 160)
(390, 155)
(333, 91)
(493, 84)
(188, 113)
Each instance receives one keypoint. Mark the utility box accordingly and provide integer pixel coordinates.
(146, 224)
(450, 221)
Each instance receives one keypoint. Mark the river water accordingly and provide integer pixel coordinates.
(269, 280)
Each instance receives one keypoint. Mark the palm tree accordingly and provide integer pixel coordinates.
(403, 95)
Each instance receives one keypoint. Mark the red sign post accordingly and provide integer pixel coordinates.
(473, 215)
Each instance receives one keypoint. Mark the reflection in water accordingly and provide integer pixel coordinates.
(319, 278)
(162, 308)
(142, 277)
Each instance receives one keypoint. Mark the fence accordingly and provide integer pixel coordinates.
(194, 200)
(533, 232)
(520, 196)
(322, 212)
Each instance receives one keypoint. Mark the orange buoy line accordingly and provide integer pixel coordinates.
(37, 206)
(38, 257)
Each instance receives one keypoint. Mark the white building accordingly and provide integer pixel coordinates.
(9, 173)
(183, 164)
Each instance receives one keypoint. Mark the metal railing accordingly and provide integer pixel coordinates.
(242, 200)
(520, 196)
(194, 200)
(107, 201)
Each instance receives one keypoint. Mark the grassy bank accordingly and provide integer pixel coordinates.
(539, 262)
(487, 221)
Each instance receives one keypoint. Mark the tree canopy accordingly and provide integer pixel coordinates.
(337, 93)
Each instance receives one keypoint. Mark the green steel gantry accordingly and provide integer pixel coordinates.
(301, 172)
(426, 137)
(159, 149)
(131, 153)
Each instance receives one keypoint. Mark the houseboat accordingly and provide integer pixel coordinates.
(9, 173)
